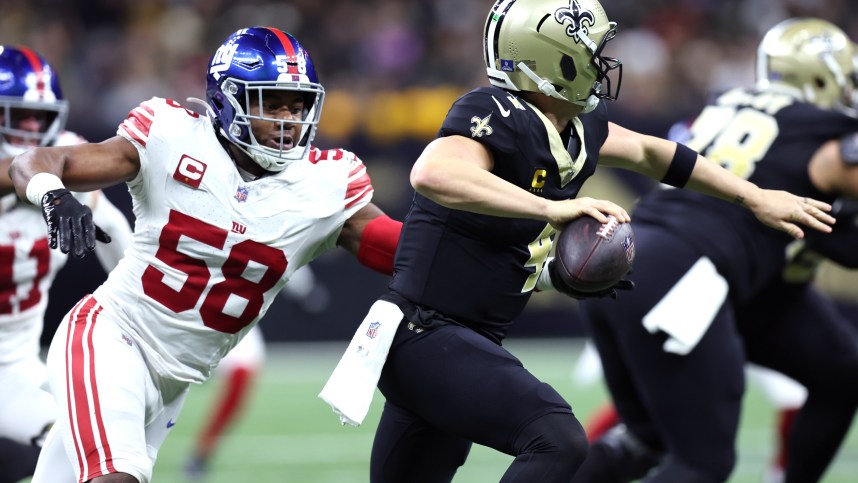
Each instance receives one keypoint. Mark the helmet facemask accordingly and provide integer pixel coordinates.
(243, 95)
(54, 115)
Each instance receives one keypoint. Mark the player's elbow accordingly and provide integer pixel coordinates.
(426, 178)
(20, 171)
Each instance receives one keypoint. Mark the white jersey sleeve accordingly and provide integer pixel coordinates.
(210, 251)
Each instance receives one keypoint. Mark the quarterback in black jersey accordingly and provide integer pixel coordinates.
(491, 192)
(716, 289)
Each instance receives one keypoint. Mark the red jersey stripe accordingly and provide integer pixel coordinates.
(358, 185)
(138, 123)
(132, 132)
(360, 196)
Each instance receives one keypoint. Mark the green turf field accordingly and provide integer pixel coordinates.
(289, 435)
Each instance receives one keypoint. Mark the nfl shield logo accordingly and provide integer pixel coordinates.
(629, 247)
(372, 331)
(241, 194)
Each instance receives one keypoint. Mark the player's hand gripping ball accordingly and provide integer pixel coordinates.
(592, 257)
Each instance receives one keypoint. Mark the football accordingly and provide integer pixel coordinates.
(593, 256)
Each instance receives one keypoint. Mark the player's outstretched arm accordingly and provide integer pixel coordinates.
(82, 167)
(40, 176)
(679, 166)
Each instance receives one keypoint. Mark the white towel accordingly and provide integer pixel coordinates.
(351, 386)
(688, 309)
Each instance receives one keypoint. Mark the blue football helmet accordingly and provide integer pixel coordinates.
(29, 89)
(250, 63)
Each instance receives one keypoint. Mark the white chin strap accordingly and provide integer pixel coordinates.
(548, 89)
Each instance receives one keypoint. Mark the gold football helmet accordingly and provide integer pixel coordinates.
(553, 47)
(810, 57)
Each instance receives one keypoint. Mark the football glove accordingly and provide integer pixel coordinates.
(70, 223)
(561, 287)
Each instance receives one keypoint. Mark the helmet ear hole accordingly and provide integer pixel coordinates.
(820, 82)
(567, 68)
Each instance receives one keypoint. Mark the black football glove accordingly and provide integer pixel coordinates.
(70, 223)
(579, 295)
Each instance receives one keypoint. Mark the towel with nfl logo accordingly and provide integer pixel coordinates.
(351, 386)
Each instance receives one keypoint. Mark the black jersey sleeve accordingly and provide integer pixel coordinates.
(485, 116)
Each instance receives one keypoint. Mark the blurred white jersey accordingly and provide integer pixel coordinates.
(211, 251)
(27, 269)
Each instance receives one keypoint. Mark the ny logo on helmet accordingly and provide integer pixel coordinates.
(579, 19)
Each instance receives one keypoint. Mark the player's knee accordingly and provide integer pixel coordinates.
(559, 435)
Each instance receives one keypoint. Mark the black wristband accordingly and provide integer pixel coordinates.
(681, 166)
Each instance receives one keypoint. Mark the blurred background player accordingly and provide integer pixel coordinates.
(32, 113)
(237, 372)
(228, 206)
(716, 290)
(784, 394)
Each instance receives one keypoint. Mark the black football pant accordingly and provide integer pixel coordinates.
(449, 386)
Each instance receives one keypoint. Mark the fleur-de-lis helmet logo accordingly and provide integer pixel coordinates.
(579, 19)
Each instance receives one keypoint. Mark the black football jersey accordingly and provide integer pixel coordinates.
(478, 269)
(768, 138)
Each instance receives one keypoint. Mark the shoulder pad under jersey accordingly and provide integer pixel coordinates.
(486, 115)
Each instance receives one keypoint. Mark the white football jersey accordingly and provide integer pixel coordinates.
(210, 251)
(27, 269)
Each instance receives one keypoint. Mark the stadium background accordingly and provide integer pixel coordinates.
(391, 69)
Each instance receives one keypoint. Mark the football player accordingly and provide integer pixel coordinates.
(228, 206)
(491, 191)
(33, 113)
(717, 290)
